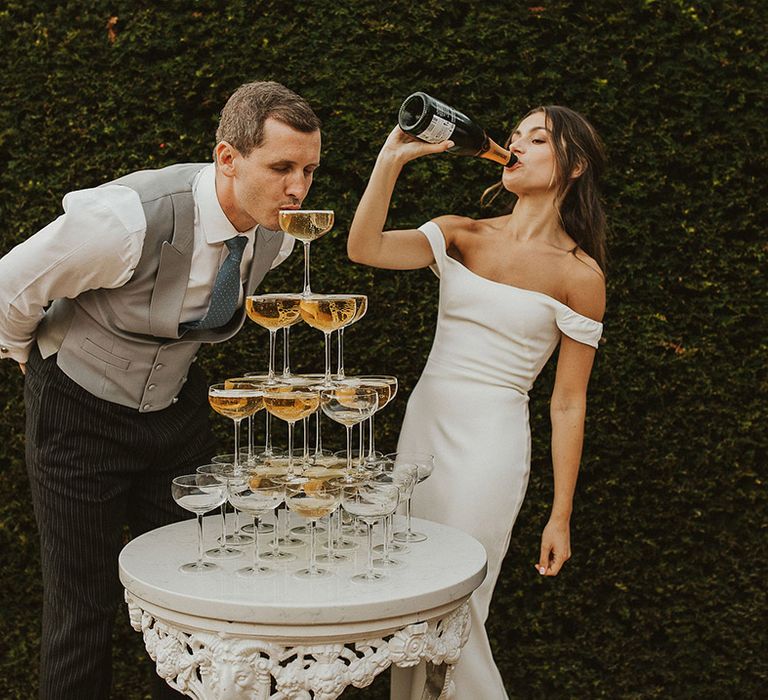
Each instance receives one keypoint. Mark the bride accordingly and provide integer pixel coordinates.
(512, 288)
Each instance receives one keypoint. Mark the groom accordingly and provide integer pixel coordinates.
(141, 271)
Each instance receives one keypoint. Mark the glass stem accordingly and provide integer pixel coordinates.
(327, 380)
(318, 439)
(360, 447)
(349, 448)
(199, 540)
(305, 452)
(271, 371)
(369, 568)
(268, 439)
(307, 290)
(387, 535)
(408, 516)
(286, 351)
(256, 543)
(312, 561)
(371, 447)
(224, 524)
(250, 439)
(237, 444)
(290, 448)
(340, 364)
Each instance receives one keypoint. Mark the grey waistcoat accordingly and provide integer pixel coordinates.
(123, 344)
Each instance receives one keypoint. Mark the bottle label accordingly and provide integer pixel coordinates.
(439, 129)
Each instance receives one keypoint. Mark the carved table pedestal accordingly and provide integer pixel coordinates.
(219, 636)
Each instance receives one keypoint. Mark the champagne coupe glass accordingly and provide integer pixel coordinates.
(235, 404)
(223, 473)
(361, 306)
(291, 406)
(256, 383)
(424, 464)
(370, 501)
(349, 405)
(273, 311)
(276, 473)
(198, 493)
(312, 499)
(404, 477)
(376, 380)
(328, 313)
(255, 495)
(307, 225)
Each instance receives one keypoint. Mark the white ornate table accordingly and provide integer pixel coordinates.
(219, 636)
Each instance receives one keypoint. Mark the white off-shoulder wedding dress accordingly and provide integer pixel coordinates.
(470, 409)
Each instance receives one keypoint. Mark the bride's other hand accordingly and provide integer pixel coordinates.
(405, 148)
(555, 548)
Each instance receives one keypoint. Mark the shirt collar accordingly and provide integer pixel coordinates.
(214, 223)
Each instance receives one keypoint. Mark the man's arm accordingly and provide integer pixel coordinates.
(95, 244)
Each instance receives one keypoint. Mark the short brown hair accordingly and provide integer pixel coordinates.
(242, 119)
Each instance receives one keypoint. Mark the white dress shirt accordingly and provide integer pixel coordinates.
(96, 244)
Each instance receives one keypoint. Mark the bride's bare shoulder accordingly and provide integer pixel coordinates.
(454, 226)
(585, 285)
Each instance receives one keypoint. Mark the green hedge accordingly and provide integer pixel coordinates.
(665, 593)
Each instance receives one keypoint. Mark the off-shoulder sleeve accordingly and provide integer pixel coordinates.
(581, 328)
(437, 242)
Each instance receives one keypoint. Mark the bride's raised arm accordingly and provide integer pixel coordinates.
(368, 243)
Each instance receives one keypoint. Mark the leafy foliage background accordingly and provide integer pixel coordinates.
(666, 588)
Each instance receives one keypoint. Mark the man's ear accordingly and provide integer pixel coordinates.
(224, 154)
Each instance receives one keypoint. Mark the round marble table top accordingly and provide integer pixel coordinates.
(447, 567)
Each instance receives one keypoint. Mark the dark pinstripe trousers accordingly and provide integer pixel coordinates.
(95, 466)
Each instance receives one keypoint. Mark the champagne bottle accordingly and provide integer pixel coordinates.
(433, 121)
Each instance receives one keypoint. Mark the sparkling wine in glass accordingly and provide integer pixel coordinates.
(291, 405)
(235, 404)
(370, 501)
(349, 405)
(328, 313)
(313, 499)
(307, 225)
(424, 464)
(198, 493)
(255, 495)
(361, 306)
(273, 311)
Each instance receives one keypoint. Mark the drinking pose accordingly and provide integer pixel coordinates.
(512, 288)
(141, 271)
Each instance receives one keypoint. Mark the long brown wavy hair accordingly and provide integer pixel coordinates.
(575, 143)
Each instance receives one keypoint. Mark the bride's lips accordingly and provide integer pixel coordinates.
(517, 165)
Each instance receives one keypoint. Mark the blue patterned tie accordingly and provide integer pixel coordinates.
(226, 289)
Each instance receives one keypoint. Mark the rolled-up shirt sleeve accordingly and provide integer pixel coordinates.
(95, 244)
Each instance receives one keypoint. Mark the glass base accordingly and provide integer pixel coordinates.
(290, 542)
(334, 558)
(312, 573)
(368, 577)
(394, 548)
(409, 537)
(264, 528)
(344, 544)
(304, 530)
(237, 539)
(259, 572)
(387, 563)
(279, 556)
(223, 553)
(202, 567)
